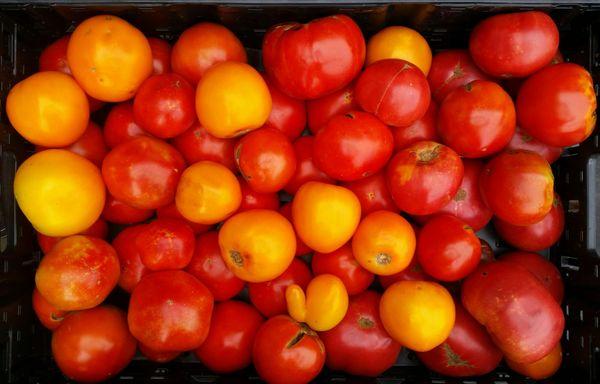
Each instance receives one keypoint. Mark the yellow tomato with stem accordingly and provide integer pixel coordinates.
(397, 42)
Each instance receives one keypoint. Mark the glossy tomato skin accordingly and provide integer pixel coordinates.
(256, 200)
(161, 55)
(170, 212)
(359, 344)
(411, 273)
(424, 177)
(115, 211)
(165, 244)
(320, 110)
(353, 146)
(120, 126)
(373, 193)
(287, 114)
(301, 247)
(341, 263)
(228, 347)
(286, 351)
(289, 60)
(521, 140)
(196, 144)
(393, 90)
(50, 316)
(306, 170)
(514, 44)
(98, 229)
(130, 262)
(89, 145)
(422, 129)
(207, 266)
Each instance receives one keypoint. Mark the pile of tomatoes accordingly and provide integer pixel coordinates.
(212, 185)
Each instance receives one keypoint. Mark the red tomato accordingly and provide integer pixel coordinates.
(266, 159)
(228, 347)
(269, 297)
(468, 351)
(256, 200)
(394, 90)
(373, 194)
(287, 114)
(143, 172)
(196, 144)
(161, 55)
(286, 351)
(93, 345)
(165, 105)
(165, 244)
(424, 177)
(290, 60)
(324, 108)
(514, 44)
(411, 273)
(207, 266)
(306, 170)
(120, 127)
(118, 212)
(98, 229)
(423, 128)
(170, 212)
(132, 268)
(301, 247)
(512, 85)
(557, 105)
(477, 120)
(522, 140)
(170, 311)
(89, 145)
(158, 356)
(359, 345)
(341, 263)
(50, 316)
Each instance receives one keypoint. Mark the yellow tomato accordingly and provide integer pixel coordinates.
(542, 368)
(61, 193)
(398, 42)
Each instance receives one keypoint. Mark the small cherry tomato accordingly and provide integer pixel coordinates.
(120, 127)
(196, 144)
(50, 316)
(161, 55)
(132, 268)
(170, 212)
(256, 200)
(341, 263)
(301, 247)
(98, 229)
(324, 108)
(422, 129)
(165, 244)
(542, 368)
(115, 211)
(287, 114)
(522, 140)
(373, 194)
(306, 170)
(158, 356)
(397, 42)
(411, 273)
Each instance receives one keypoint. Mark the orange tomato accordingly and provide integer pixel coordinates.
(541, 369)
(109, 57)
(398, 42)
(325, 216)
(207, 193)
(231, 99)
(417, 314)
(257, 245)
(48, 109)
(384, 243)
(59, 192)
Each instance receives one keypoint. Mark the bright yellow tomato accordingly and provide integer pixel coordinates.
(398, 42)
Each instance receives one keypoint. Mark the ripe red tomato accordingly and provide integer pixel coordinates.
(373, 194)
(522, 140)
(120, 127)
(269, 297)
(170, 212)
(287, 114)
(196, 144)
(256, 200)
(50, 316)
(98, 229)
(228, 347)
(170, 311)
(143, 172)
(324, 108)
(161, 55)
(93, 345)
(117, 212)
(353, 146)
(301, 247)
(207, 266)
(89, 145)
(424, 177)
(477, 120)
(165, 105)
(306, 170)
(341, 263)
(158, 356)
(394, 90)
(165, 244)
(514, 44)
(411, 273)
(266, 159)
(423, 128)
(286, 351)
(132, 268)
(359, 344)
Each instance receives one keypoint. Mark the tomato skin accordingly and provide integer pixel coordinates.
(288, 56)
(50, 316)
(398, 42)
(522, 141)
(468, 351)
(306, 170)
(130, 261)
(90, 145)
(196, 144)
(278, 359)
(359, 345)
(158, 356)
(542, 368)
(353, 146)
(320, 110)
(98, 229)
(450, 70)
(93, 345)
(170, 212)
(115, 211)
(287, 114)
(161, 55)
(256, 200)
(514, 44)
(411, 273)
(422, 129)
(165, 244)
(208, 266)
(120, 126)
(301, 247)
(373, 193)
(228, 347)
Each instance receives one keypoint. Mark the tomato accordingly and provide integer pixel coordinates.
(320, 110)
(544, 270)
(203, 45)
(89, 145)
(222, 102)
(468, 351)
(48, 109)
(143, 172)
(397, 42)
(518, 187)
(115, 211)
(286, 351)
(164, 105)
(522, 140)
(289, 56)
(98, 229)
(257, 200)
(228, 347)
(120, 127)
(269, 296)
(411, 273)
(208, 266)
(50, 316)
(196, 144)
(359, 345)
(301, 247)
(78, 273)
(161, 55)
(373, 194)
(306, 170)
(59, 192)
(93, 345)
(170, 311)
(557, 105)
(342, 264)
(394, 90)
(514, 44)
(165, 244)
(266, 159)
(542, 368)
(353, 146)
(287, 115)
(448, 248)
(158, 356)
(512, 85)
(130, 261)
(257, 245)
(325, 216)
(424, 177)
(520, 315)
(109, 57)
(417, 314)
(423, 128)
(207, 193)
(170, 212)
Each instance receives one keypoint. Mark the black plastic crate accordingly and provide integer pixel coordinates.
(25, 29)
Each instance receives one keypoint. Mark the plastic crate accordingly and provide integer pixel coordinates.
(26, 28)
